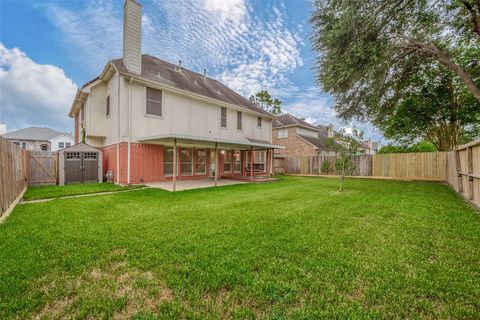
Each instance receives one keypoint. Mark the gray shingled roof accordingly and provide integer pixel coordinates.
(33, 133)
(162, 72)
(289, 120)
(319, 142)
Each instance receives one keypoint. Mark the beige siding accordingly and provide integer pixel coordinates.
(182, 114)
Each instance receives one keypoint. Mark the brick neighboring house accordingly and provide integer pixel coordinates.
(157, 121)
(39, 139)
(299, 137)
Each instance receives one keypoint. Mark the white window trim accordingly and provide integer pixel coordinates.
(145, 114)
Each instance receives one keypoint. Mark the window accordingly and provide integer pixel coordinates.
(237, 162)
(168, 162)
(44, 147)
(154, 102)
(239, 120)
(67, 144)
(223, 117)
(200, 161)
(107, 106)
(186, 162)
(227, 162)
(259, 122)
(23, 145)
(282, 133)
(61, 145)
(260, 157)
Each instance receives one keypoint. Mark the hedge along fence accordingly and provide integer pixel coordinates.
(463, 171)
(13, 176)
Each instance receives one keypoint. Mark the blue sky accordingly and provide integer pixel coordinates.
(56, 46)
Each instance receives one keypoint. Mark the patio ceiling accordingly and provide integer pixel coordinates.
(185, 139)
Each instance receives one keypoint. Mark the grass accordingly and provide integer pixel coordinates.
(294, 249)
(45, 192)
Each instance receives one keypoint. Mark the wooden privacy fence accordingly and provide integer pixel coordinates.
(411, 166)
(315, 165)
(13, 175)
(43, 168)
(464, 171)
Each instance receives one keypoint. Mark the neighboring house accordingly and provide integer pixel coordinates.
(40, 139)
(140, 109)
(299, 137)
(371, 147)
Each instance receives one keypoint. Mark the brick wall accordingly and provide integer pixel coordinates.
(147, 163)
(294, 146)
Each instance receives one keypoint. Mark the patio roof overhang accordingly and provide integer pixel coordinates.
(169, 138)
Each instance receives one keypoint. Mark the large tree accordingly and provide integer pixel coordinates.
(436, 108)
(367, 51)
(264, 100)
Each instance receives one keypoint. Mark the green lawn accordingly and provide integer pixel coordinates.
(296, 248)
(44, 192)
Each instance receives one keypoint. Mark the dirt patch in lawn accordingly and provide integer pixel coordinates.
(124, 288)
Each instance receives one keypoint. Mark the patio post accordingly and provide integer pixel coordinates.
(251, 163)
(175, 164)
(271, 162)
(216, 164)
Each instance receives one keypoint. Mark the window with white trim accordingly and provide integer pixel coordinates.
(200, 161)
(67, 144)
(107, 106)
(239, 120)
(282, 133)
(259, 122)
(168, 161)
(227, 162)
(237, 162)
(61, 145)
(223, 117)
(154, 102)
(186, 161)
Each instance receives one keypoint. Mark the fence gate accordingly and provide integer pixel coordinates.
(81, 167)
(43, 168)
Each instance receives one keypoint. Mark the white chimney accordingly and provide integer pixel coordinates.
(3, 128)
(132, 36)
(330, 131)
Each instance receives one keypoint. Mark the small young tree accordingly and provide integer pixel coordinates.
(264, 100)
(346, 147)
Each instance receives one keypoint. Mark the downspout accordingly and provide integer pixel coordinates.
(129, 128)
(118, 128)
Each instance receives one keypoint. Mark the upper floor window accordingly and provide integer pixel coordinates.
(67, 144)
(259, 122)
(107, 106)
(223, 117)
(239, 120)
(61, 145)
(154, 102)
(282, 133)
(44, 147)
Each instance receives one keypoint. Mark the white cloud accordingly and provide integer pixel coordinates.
(228, 38)
(33, 94)
(233, 10)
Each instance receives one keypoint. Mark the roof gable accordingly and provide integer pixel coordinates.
(290, 120)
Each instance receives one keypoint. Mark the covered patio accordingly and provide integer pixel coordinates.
(220, 161)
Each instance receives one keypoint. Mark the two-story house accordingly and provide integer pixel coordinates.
(39, 139)
(156, 121)
(300, 138)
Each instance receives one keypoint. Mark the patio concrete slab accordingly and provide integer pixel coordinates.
(192, 184)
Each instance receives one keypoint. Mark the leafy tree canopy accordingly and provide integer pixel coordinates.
(369, 50)
(264, 100)
(423, 146)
